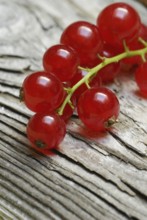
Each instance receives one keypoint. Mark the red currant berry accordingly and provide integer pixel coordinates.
(141, 78)
(135, 60)
(109, 72)
(62, 61)
(69, 109)
(45, 131)
(67, 113)
(43, 92)
(98, 108)
(143, 32)
(136, 45)
(85, 38)
(96, 82)
(118, 22)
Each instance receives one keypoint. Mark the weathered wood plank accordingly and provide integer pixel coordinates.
(89, 177)
(144, 2)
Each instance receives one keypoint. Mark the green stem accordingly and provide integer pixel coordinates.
(94, 70)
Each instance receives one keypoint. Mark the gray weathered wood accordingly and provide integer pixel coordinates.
(89, 177)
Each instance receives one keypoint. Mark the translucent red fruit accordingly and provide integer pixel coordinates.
(85, 38)
(67, 113)
(95, 82)
(42, 92)
(45, 131)
(98, 108)
(109, 72)
(118, 22)
(136, 60)
(69, 108)
(62, 61)
(141, 78)
(136, 45)
(143, 32)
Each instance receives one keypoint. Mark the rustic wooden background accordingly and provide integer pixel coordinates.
(144, 2)
(89, 177)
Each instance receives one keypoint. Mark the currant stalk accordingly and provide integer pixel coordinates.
(105, 61)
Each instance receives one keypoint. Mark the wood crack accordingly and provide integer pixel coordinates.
(86, 169)
(87, 189)
(125, 144)
(59, 193)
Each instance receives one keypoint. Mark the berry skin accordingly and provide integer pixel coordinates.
(68, 110)
(143, 32)
(42, 92)
(136, 45)
(118, 22)
(85, 38)
(96, 82)
(45, 131)
(109, 72)
(141, 78)
(136, 60)
(98, 108)
(67, 113)
(62, 61)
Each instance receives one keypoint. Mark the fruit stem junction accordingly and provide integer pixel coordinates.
(105, 61)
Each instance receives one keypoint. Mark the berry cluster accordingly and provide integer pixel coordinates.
(75, 71)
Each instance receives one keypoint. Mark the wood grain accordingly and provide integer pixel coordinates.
(90, 176)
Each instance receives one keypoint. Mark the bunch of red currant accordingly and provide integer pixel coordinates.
(88, 56)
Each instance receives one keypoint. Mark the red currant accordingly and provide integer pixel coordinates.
(85, 38)
(98, 108)
(45, 131)
(42, 92)
(136, 45)
(141, 78)
(69, 109)
(96, 82)
(67, 113)
(109, 72)
(135, 60)
(118, 22)
(143, 32)
(62, 61)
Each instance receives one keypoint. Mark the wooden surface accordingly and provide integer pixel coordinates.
(144, 2)
(90, 177)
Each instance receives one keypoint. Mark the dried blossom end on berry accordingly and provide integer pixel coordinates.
(40, 144)
(110, 122)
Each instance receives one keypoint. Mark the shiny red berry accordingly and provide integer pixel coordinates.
(85, 38)
(109, 72)
(141, 78)
(136, 45)
(45, 131)
(69, 108)
(42, 92)
(62, 61)
(95, 82)
(98, 108)
(118, 22)
(67, 113)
